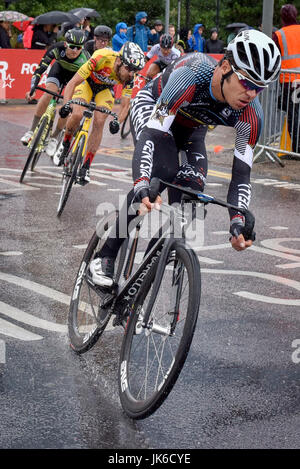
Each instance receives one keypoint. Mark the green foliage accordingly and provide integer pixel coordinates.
(201, 11)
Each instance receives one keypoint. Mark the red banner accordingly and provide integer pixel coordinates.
(18, 65)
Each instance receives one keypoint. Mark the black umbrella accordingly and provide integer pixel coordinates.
(236, 25)
(85, 13)
(56, 17)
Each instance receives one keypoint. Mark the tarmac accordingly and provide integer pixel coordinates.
(219, 145)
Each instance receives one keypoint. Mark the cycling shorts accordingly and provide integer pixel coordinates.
(102, 98)
(59, 75)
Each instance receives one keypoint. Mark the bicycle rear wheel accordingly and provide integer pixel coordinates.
(125, 129)
(69, 176)
(151, 359)
(87, 319)
(34, 154)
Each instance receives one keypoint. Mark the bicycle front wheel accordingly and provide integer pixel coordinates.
(69, 176)
(125, 129)
(151, 358)
(34, 153)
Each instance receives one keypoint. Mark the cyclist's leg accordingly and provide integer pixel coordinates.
(193, 170)
(84, 93)
(161, 162)
(102, 99)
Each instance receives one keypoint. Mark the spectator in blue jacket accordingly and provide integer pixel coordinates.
(120, 37)
(140, 33)
(196, 42)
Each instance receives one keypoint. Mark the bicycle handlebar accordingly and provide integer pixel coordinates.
(92, 107)
(49, 92)
(204, 199)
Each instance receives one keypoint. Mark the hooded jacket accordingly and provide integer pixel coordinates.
(196, 42)
(119, 38)
(139, 33)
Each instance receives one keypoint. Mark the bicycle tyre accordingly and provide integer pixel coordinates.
(69, 179)
(33, 152)
(125, 129)
(133, 372)
(84, 330)
(38, 154)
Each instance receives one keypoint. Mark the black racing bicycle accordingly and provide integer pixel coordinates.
(155, 299)
(76, 153)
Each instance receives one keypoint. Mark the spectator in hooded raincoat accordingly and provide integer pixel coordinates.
(140, 33)
(120, 37)
(196, 42)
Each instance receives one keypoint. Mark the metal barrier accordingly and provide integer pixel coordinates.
(280, 135)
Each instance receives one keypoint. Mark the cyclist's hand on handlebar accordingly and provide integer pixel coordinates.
(239, 243)
(146, 206)
(29, 96)
(65, 110)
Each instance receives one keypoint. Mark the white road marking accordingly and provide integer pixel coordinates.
(31, 320)
(275, 243)
(11, 330)
(2, 352)
(11, 253)
(279, 227)
(253, 296)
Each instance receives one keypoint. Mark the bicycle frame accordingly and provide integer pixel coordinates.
(49, 114)
(82, 131)
(159, 252)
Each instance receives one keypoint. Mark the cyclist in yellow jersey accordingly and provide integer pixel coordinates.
(97, 77)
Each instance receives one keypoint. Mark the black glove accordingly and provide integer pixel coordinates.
(65, 111)
(243, 225)
(114, 127)
(34, 83)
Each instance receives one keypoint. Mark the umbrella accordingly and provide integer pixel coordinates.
(55, 17)
(85, 13)
(236, 25)
(22, 25)
(12, 16)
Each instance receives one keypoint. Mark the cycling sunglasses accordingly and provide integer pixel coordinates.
(129, 68)
(74, 46)
(247, 83)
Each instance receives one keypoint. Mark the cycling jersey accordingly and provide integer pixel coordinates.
(98, 71)
(58, 52)
(165, 59)
(179, 99)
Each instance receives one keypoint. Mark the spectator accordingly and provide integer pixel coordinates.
(102, 36)
(120, 37)
(196, 42)
(172, 31)
(165, 54)
(140, 33)
(214, 45)
(157, 32)
(87, 28)
(288, 41)
(183, 45)
(27, 36)
(5, 35)
(44, 35)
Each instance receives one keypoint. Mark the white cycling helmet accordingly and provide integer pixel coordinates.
(256, 54)
(132, 56)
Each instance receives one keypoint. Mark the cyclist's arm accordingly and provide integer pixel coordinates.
(239, 193)
(42, 67)
(69, 90)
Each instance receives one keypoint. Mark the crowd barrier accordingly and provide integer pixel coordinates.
(280, 136)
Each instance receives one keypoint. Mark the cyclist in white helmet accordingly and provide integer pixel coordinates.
(172, 113)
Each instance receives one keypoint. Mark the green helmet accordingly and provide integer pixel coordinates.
(75, 36)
